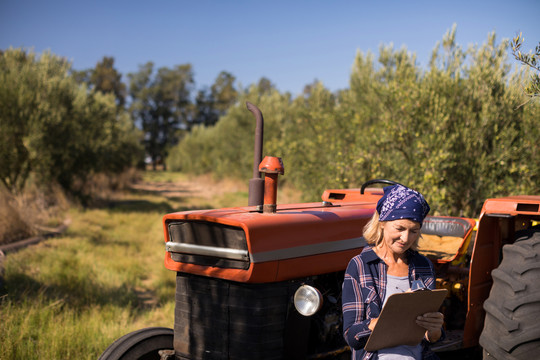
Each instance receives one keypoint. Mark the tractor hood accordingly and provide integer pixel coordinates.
(246, 245)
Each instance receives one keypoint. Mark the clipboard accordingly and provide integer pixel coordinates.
(397, 325)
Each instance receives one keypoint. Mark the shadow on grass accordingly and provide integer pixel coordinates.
(157, 197)
(145, 206)
(165, 192)
(80, 293)
(129, 206)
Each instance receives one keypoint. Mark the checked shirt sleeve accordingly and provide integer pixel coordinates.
(355, 320)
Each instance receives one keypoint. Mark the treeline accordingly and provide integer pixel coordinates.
(55, 130)
(455, 130)
(59, 125)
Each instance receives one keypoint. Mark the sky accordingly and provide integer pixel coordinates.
(292, 43)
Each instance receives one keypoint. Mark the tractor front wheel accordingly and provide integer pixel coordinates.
(143, 344)
(511, 327)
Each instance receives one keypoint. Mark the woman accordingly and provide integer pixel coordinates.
(389, 265)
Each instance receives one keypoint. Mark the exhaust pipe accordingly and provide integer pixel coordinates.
(271, 166)
(256, 184)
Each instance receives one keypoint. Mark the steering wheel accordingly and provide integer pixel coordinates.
(377, 181)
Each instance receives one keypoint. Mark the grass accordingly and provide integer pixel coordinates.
(72, 296)
(26, 213)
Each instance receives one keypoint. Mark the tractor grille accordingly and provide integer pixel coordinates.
(218, 319)
(208, 244)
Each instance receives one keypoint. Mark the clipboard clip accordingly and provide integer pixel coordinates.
(418, 285)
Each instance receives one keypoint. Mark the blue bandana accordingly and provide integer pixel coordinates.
(400, 202)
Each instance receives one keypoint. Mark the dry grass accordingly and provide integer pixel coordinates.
(30, 212)
(102, 187)
(37, 210)
(12, 225)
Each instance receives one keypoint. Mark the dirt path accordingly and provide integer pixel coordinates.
(195, 187)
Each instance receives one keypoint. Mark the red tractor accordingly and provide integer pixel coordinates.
(264, 281)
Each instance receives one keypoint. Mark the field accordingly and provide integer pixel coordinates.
(71, 296)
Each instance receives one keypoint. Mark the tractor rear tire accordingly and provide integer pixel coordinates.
(143, 344)
(511, 327)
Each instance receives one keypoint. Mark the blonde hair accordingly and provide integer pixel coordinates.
(374, 234)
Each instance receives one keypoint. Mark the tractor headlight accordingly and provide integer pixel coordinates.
(307, 300)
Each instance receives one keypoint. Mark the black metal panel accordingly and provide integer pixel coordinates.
(218, 319)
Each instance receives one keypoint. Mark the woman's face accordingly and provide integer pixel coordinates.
(400, 235)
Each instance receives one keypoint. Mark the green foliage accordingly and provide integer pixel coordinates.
(103, 78)
(223, 92)
(532, 60)
(226, 149)
(316, 140)
(161, 105)
(213, 103)
(454, 131)
(54, 128)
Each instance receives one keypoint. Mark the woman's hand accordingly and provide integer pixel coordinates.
(433, 323)
(372, 323)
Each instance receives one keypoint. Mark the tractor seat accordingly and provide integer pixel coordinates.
(444, 238)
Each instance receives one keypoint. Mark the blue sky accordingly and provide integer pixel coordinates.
(290, 42)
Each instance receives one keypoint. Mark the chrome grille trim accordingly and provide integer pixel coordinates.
(212, 251)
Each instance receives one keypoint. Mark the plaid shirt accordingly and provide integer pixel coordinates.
(364, 289)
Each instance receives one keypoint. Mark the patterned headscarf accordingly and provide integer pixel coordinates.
(400, 202)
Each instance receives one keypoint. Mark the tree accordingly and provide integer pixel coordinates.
(213, 103)
(16, 103)
(223, 92)
(265, 86)
(205, 113)
(105, 78)
(452, 131)
(55, 128)
(161, 105)
(108, 80)
(227, 147)
(532, 60)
